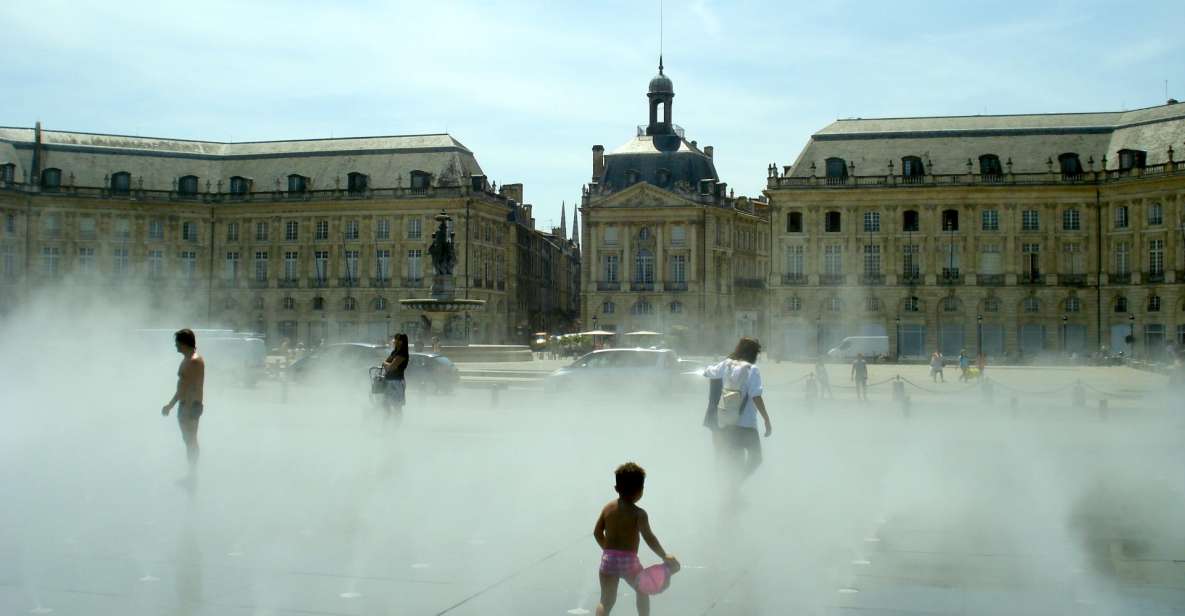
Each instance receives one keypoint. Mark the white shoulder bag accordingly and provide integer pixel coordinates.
(733, 398)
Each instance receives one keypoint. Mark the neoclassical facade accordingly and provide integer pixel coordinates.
(1017, 235)
(306, 240)
(666, 246)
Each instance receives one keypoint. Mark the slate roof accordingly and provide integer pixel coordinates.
(1029, 140)
(647, 154)
(387, 160)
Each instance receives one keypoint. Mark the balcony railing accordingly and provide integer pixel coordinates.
(607, 285)
(381, 282)
(348, 282)
(974, 179)
(1072, 280)
(911, 278)
(749, 283)
(1155, 276)
(288, 283)
(832, 280)
(318, 283)
(1032, 278)
(413, 283)
(1123, 278)
(256, 283)
(675, 286)
(794, 279)
(872, 280)
(641, 286)
(950, 276)
(990, 280)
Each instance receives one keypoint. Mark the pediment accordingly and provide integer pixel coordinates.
(645, 195)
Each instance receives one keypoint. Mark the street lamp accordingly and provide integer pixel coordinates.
(594, 322)
(897, 355)
(978, 335)
(819, 335)
(1064, 319)
(1131, 334)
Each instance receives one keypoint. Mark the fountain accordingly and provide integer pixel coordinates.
(435, 310)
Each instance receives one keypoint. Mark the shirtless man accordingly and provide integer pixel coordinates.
(191, 377)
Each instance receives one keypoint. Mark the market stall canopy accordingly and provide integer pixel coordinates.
(644, 333)
(598, 332)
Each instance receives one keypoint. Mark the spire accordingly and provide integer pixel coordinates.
(575, 225)
(563, 219)
(660, 64)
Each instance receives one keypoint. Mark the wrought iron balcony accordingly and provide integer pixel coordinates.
(413, 283)
(641, 286)
(1121, 278)
(381, 282)
(832, 280)
(608, 285)
(794, 279)
(911, 278)
(1032, 278)
(318, 282)
(872, 280)
(348, 282)
(1155, 276)
(1072, 280)
(990, 280)
(288, 283)
(675, 286)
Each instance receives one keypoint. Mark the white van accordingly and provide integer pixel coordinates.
(873, 348)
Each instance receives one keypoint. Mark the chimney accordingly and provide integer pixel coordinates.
(477, 183)
(709, 150)
(512, 191)
(35, 176)
(530, 216)
(598, 162)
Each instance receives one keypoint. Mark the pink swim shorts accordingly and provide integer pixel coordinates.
(621, 563)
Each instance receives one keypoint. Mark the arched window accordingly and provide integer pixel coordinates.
(837, 170)
(950, 304)
(793, 304)
(187, 185)
(121, 183)
(608, 308)
(1070, 165)
(991, 304)
(1073, 304)
(51, 179)
(676, 308)
(318, 303)
(239, 185)
(1121, 304)
(950, 220)
(834, 304)
(1032, 305)
(794, 222)
(909, 221)
(380, 304)
(356, 183)
(872, 304)
(644, 234)
(911, 304)
(1153, 303)
(641, 307)
(1121, 217)
(298, 184)
(989, 166)
(644, 266)
(831, 222)
(420, 180)
(289, 303)
(350, 304)
(912, 168)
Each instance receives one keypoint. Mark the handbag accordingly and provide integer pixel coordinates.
(733, 400)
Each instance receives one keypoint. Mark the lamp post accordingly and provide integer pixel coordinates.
(819, 335)
(468, 320)
(388, 327)
(978, 335)
(1131, 334)
(897, 355)
(1064, 319)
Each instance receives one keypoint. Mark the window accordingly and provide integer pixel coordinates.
(872, 222)
(351, 264)
(608, 308)
(796, 260)
(794, 222)
(232, 231)
(833, 259)
(1032, 261)
(831, 222)
(641, 307)
(1132, 159)
(793, 304)
(679, 268)
(1121, 217)
(1070, 165)
(912, 169)
(909, 221)
(610, 236)
(239, 185)
(122, 229)
(232, 266)
(950, 220)
(989, 166)
(834, 304)
(10, 223)
(1122, 258)
(1030, 220)
(86, 260)
(1155, 215)
(261, 265)
(156, 230)
(1071, 220)
(261, 231)
(187, 185)
(318, 303)
(872, 259)
(910, 263)
(297, 184)
(289, 303)
(1031, 305)
(420, 180)
(350, 304)
(356, 183)
(156, 263)
(321, 265)
(121, 183)
(383, 264)
(991, 304)
(678, 235)
(676, 308)
(950, 304)
(872, 304)
(414, 271)
(189, 231)
(837, 169)
(1073, 304)
(1121, 304)
(86, 228)
(1156, 257)
(382, 229)
(991, 261)
(291, 265)
(912, 304)
(1154, 303)
(51, 179)
(414, 229)
(643, 266)
(644, 234)
(188, 264)
(991, 220)
(291, 230)
(1074, 258)
(950, 259)
(8, 173)
(664, 177)
(380, 304)
(611, 268)
(119, 261)
(50, 260)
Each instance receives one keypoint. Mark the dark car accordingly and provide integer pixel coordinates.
(352, 361)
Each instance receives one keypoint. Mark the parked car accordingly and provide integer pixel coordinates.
(351, 361)
(873, 348)
(641, 371)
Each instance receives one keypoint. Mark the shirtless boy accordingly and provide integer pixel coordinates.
(191, 376)
(617, 531)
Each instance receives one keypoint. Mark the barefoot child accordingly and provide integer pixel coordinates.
(617, 531)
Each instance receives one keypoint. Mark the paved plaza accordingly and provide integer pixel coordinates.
(316, 505)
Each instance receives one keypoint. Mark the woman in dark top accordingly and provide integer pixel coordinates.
(393, 370)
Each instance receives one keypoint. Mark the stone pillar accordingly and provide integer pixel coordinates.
(660, 263)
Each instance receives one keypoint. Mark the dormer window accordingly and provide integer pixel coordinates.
(187, 186)
(239, 185)
(357, 182)
(1070, 164)
(297, 184)
(911, 167)
(664, 177)
(420, 180)
(7, 173)
(51, 179)
(631, 177)
(837, 170)
(121, 183)
(989, 166)
(1132, 159)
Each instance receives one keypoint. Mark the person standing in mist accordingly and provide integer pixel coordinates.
(860, 377)
(393, 370)
(936, 361)
(824, 380)
(191, 378)
(741, 444)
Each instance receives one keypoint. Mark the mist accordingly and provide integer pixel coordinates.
(309, 500)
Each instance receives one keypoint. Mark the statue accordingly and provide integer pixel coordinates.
(444, 255)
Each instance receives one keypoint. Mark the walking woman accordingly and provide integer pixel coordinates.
(393, 370)
(734, 416)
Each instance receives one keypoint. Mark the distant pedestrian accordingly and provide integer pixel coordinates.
(393, 371)
(824, 381)
(964, 367)
(860, 377)
(810, 391)
(980, 365)
(936, 362)
(191, 378)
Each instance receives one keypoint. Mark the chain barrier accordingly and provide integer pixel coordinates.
(1050, 392)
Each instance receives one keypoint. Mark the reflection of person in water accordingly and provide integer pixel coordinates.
(189, 572)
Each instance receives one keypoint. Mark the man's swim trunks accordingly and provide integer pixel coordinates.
(189, 412)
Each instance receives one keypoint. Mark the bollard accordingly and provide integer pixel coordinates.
(1078, 395)
(1104, 407)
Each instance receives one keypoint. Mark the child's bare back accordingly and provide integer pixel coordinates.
(622, 522)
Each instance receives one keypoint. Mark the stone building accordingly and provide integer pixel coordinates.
(666, 245)
(1020, 235)
(548, 277)
(308, 240)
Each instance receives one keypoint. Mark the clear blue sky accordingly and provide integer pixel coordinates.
(530, 87)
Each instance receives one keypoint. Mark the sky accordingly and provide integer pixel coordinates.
(530, 87)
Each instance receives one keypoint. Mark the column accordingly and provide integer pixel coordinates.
(660, 263)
